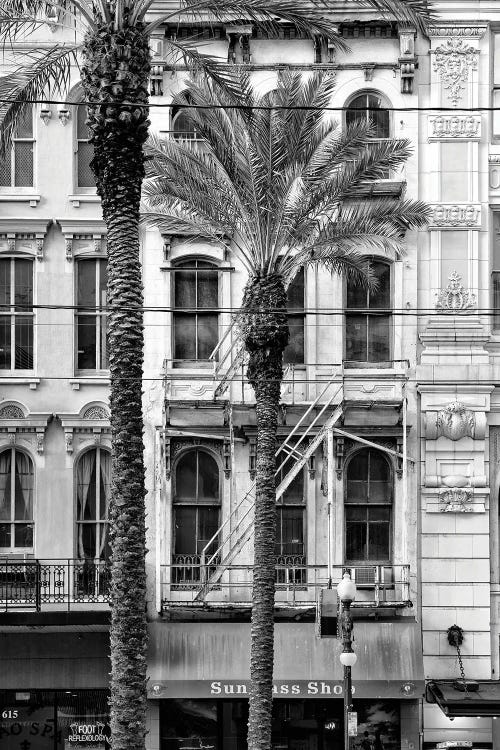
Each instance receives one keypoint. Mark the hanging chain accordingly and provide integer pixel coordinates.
(455, 636)
(462, 671)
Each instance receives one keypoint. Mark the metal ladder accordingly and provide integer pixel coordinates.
(242, 530)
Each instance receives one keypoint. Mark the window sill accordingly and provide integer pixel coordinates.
(10, 379)
(19, 197)
(96, 379)
(84, 198)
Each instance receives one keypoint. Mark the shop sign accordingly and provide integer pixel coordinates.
(352, 724)
(87, 732)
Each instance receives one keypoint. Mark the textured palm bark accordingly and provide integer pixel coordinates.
(115, 70)
(265, 334)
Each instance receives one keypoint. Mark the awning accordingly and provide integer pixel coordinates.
(206, 659)
(482, 698)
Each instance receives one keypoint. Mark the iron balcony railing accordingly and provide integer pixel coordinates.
(52, 585)
(297, 584)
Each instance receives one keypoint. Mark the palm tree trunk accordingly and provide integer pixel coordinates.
(116, 68)
(265, 334)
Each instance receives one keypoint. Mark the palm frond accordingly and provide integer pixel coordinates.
(46, 72)
(413, 12)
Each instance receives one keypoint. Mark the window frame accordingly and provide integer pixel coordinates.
(23, 189)
(177, 265)
(13, 550)
(97, 522)
(387, 107)
(374, 312)
(367, 505)
(16, 315)
(79, 190)
(99, 315)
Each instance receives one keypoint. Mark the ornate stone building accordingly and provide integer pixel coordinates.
(389, 408)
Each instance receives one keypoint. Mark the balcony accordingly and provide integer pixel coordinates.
(189, 584)
(53, 585)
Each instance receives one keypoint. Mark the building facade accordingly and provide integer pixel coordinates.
(389, 409)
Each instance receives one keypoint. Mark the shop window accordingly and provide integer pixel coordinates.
(91, 315)
(16, 314)
(294, 352)
(368, 508)
(290, 532)
(93, 484)
(368, 318)
(196, 513)
(16, 501)
(17, 167)
(84, 151)
(196, 320)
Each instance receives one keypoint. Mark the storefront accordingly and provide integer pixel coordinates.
(199, 681)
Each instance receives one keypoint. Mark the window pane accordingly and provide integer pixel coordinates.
(82, 130)
(496, 299)
(208, 335)
(378, 338)
(355, 541)
(86, 281)
(355, 345)
(185, 477)
(24, 343)
(5, 534)
(24, 127)
(23, 155)
(185, 336)
(4, 283)
(294, 352)
(185, 289)
(5, 344)
(290, 531)
(496, 54)
(86, 342)
(105, 488)
(208, 523)
(5, 475)
(357, 296)
(208, 287)
(86, 489)
(379, 514)
(85, 154)
(6, 169)
(208, 477)
(378, 543)
(185, 531)
(103, 281)
(295, 292)
(496, 113)
(103, 338)
(381, 297)
(380, 121)
(23, 284)
(23, 488)
(358, 466)
(23, 535)
(379, 468)
(86, 540)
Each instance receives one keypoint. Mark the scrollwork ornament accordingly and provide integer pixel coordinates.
(455, 298)
(95, 412)
(455, 421)
(456, 500)
(453, 61)
(11, 412)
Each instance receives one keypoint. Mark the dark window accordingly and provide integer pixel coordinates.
(496, 87)
(368, 508)
(93, 483)
(84, 150)
(495, 271)
(196, 320)
(290, 547)
(16, 500)
(368, 318)
(16, 169)
(369, 108)
(91, 315)
(182, 126)
(16, 314)
(294, 352)
(196, 513)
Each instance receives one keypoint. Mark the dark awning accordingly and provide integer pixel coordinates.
(482, 697)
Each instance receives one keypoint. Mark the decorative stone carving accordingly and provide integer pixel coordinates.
(454, 127)
(39, 248)
(457, 31)
(64, 115)
(11, 243)
(407, 59)
(456, 215)
(11, 412)
(39, 441)
(68, 243)
(455, 298)
(45, 113)
(68, 437)
(454, 60)
(455, 421)
(156, 80)
(456, 500)
(97, 243)
(95, 412)
(368, 71)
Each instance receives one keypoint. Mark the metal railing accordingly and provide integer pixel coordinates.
(297, 583)
(52, 584)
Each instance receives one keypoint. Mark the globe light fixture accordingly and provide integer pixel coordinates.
(346, 591)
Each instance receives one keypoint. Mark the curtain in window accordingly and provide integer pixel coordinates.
(104, 509)
(85, 470)
(4, 483)
(24, 488)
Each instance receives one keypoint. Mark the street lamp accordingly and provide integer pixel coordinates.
(346, 591)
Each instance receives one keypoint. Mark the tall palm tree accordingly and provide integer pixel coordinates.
(115, 68)
(281, 183)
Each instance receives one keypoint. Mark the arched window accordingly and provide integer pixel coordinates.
(182, 126)
(196, 512)
(368, 508)
(370, 107)
(16, 500)
(93, 483)
(84, 150)
(196, 320)
(368, 318)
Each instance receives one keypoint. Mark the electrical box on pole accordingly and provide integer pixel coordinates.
(327, 611)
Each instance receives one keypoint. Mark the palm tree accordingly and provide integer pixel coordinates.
(115, 70)
(281, 183)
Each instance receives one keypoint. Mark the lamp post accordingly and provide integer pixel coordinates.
(346, 591)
